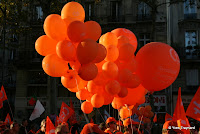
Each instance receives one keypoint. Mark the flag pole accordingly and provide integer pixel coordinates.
(10, 109)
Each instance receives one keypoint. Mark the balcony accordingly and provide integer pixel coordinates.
(188, 53)
(144, 17)
(190, 16)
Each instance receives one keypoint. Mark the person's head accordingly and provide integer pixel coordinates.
(102, 126)
(62, 129)
(111, 123)
(164, 131)
(14, 127)
(24, 122)
(43, 125)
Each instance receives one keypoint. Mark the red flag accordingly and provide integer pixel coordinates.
(179, 115)
(168, 117)
(155, 118)
(50, 129)
(3, 96)
(72, 119)
(57, 121)
(65, 113)
(91, 120)
(8, 119)
(193, 109)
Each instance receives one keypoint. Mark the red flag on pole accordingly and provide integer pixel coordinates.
(65, 113)
(179, 115)
(57, 121)
(193, 109)
(3, 95)
(168, 117)
(91, 120)
(8, 119)
(155, 118)
(72, 119)
(50, 129)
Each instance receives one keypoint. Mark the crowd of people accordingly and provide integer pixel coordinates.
(111, 126)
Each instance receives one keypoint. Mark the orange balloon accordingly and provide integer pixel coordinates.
(125, 112)
(124, 76)
(93, 88)
(123, 92)
(55, 27)
(73, 11)
(146, 114)
(148, 108)
(101, 79)
(75, 64)
(45, 45)
(76, 31)
(101, 54)
(131, 65)
(89, 97)
(83, 94)
(82, 84)
(66, 50)
(139, 114)
(107, 98)
(99, 65)
(110, 69)
(129, 99)
(93, 30)
(146, 120)
(122, 40)
(141, 100)
(88, 72)
(151, 114)
(113, 87)
(86, 107)
(97, 100)
(125, 32)
(133, 82)
(141, 109)
(112, 53)
(70, 79)
(126, 52)
(158, 66)
(87, 51)
(54, 66)
(108, 39)
(116, 105)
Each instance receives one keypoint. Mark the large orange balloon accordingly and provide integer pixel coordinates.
(133, 82)
(108, 39)
(148, 108)
(86, 107)
(115, 104)
(126, 52)
(54, 66)
(125, 112)
(158, 66)
(112, 53)
(123, 92)
(93, 88)
(97, 100)
(113, 87)
(141, 101)
(88, 71)
(99, 65)
(129, 99)
(93, 30)
(83, 94)
(75, 64)
(122, 40)
(55, 27)
(45, 45)
(70, 79)
(76, 31)
(124, 76)
(101, 79)
(66, 50)
(125, 32)
(73, 11)
(110, 69)
(107, 98)
(101, 55)
(87, 51)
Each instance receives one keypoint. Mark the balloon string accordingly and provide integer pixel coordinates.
(140, 123)
(101, 115)
(119, 121)
(87, 120)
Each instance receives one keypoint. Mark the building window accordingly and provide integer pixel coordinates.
(37, 77)
(114, 11)
(143, 11)
(39, 13)
(192, 77)
(38, 91)
(144, 39)
(190, 41)
(89, 10)
(190, 9)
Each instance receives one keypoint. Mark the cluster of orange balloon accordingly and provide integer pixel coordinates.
(105, 72)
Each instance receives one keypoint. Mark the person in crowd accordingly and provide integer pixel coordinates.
(111, 125)
(14, 127)
(43, 127)
(102, 126)
(167, 128)
(62, 129)
(7, 131)
(23, 129)
(75, 129)
(91, 128)
(130, 126)
(120, 128)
